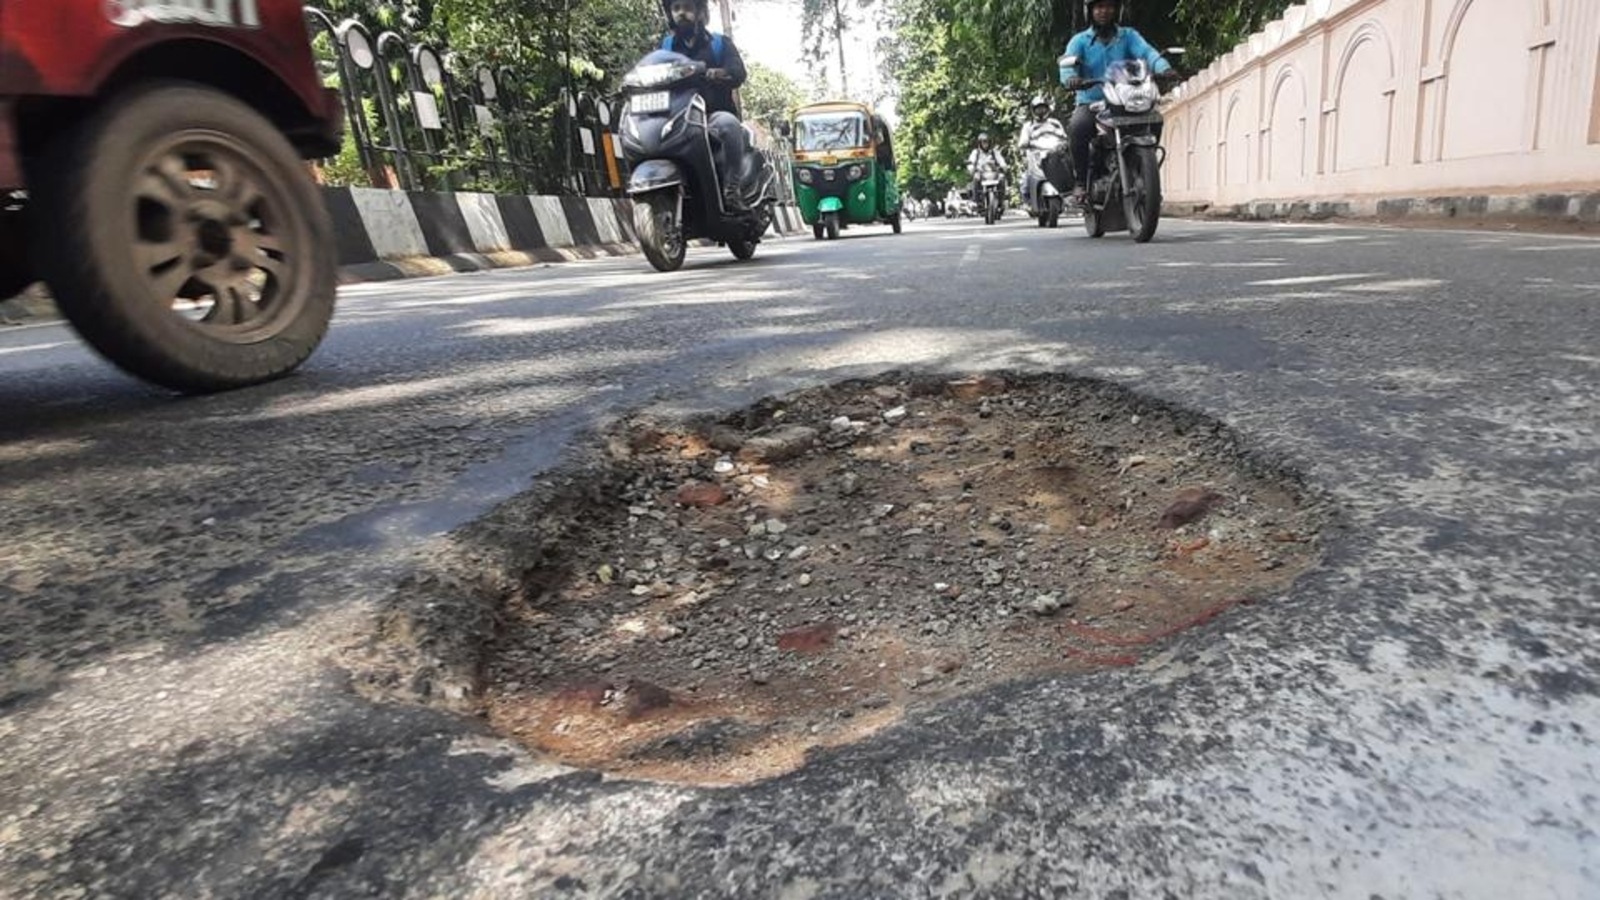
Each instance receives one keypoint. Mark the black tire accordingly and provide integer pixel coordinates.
(831, 225)
(660, 235)
(1143, 205)
(1091, 221)
(742, 249)
(1055, 204)
(184, 239)
(817, 231)
(896, 224)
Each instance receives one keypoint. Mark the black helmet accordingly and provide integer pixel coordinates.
(702, 10)
(1088, 8)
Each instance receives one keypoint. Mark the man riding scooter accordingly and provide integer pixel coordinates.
(725, 72)
(1045, 173)
(1104, 42)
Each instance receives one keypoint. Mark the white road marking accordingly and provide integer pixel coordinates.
(971, 256)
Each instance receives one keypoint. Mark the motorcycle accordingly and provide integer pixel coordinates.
(1125, 156)
(1039, 194)
(992, 183)
(675, 184)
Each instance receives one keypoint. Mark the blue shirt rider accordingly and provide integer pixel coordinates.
(1096, 48)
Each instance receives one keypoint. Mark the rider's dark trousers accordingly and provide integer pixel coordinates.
(727, 135)
(1080, 131)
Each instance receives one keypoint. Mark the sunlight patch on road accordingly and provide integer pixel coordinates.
(518, 326)
(33, 451)
(476, 380)
(723, 296)
(1311, 279)
(1398, 286)
(34, 348)
(792, 312)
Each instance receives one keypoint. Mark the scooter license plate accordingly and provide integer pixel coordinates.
(653, 102)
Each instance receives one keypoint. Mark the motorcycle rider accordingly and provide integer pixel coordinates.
(984, 154)
(1044, 125)
(1097, 47)
(725, 72)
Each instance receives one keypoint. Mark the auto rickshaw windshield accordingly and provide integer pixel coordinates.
(835, 131)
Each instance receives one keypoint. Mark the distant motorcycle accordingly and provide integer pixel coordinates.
(991, 182)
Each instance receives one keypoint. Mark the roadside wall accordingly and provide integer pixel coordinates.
(1366, 99)
(393, 234)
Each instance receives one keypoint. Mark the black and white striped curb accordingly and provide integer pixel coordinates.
(385, 234)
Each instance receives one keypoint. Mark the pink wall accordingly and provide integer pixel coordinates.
(1367, 98)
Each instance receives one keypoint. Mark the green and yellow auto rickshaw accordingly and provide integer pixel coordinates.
(844, 169)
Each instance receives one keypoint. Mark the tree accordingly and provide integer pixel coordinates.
(822, 21)
(964, 66)
(769, 95)
(1211, 29)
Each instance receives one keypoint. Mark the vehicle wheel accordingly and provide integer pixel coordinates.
(1054, 213)
(1091, 221)
(831, 225)
(817, 231)
(660, 237)
(184, 239)
(1143, 205)
(742, 249)
(1044, 216)
(895, 223)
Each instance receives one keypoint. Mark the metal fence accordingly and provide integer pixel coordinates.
(422, 118)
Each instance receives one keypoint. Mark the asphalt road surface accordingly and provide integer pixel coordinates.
(1417, 718)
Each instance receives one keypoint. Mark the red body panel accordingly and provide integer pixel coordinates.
(69, 48)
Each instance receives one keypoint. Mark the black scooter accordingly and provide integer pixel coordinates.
(675, 186)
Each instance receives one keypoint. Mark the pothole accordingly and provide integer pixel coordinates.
(724, 597)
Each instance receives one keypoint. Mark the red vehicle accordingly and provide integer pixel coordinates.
(153, 153)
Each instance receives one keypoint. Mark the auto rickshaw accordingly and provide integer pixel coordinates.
(844, 168)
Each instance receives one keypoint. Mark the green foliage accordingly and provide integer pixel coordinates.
(1211, 29)
(965, 66)
(769, 95)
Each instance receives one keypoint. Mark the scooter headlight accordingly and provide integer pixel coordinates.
(658, 74)
(854, 173)
(806, 176)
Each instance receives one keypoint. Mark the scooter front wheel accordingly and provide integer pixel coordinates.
(655, 218)
(831, 225)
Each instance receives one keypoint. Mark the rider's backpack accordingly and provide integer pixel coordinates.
(716, 48)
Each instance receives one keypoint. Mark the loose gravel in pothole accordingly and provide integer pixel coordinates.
(802, 574)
